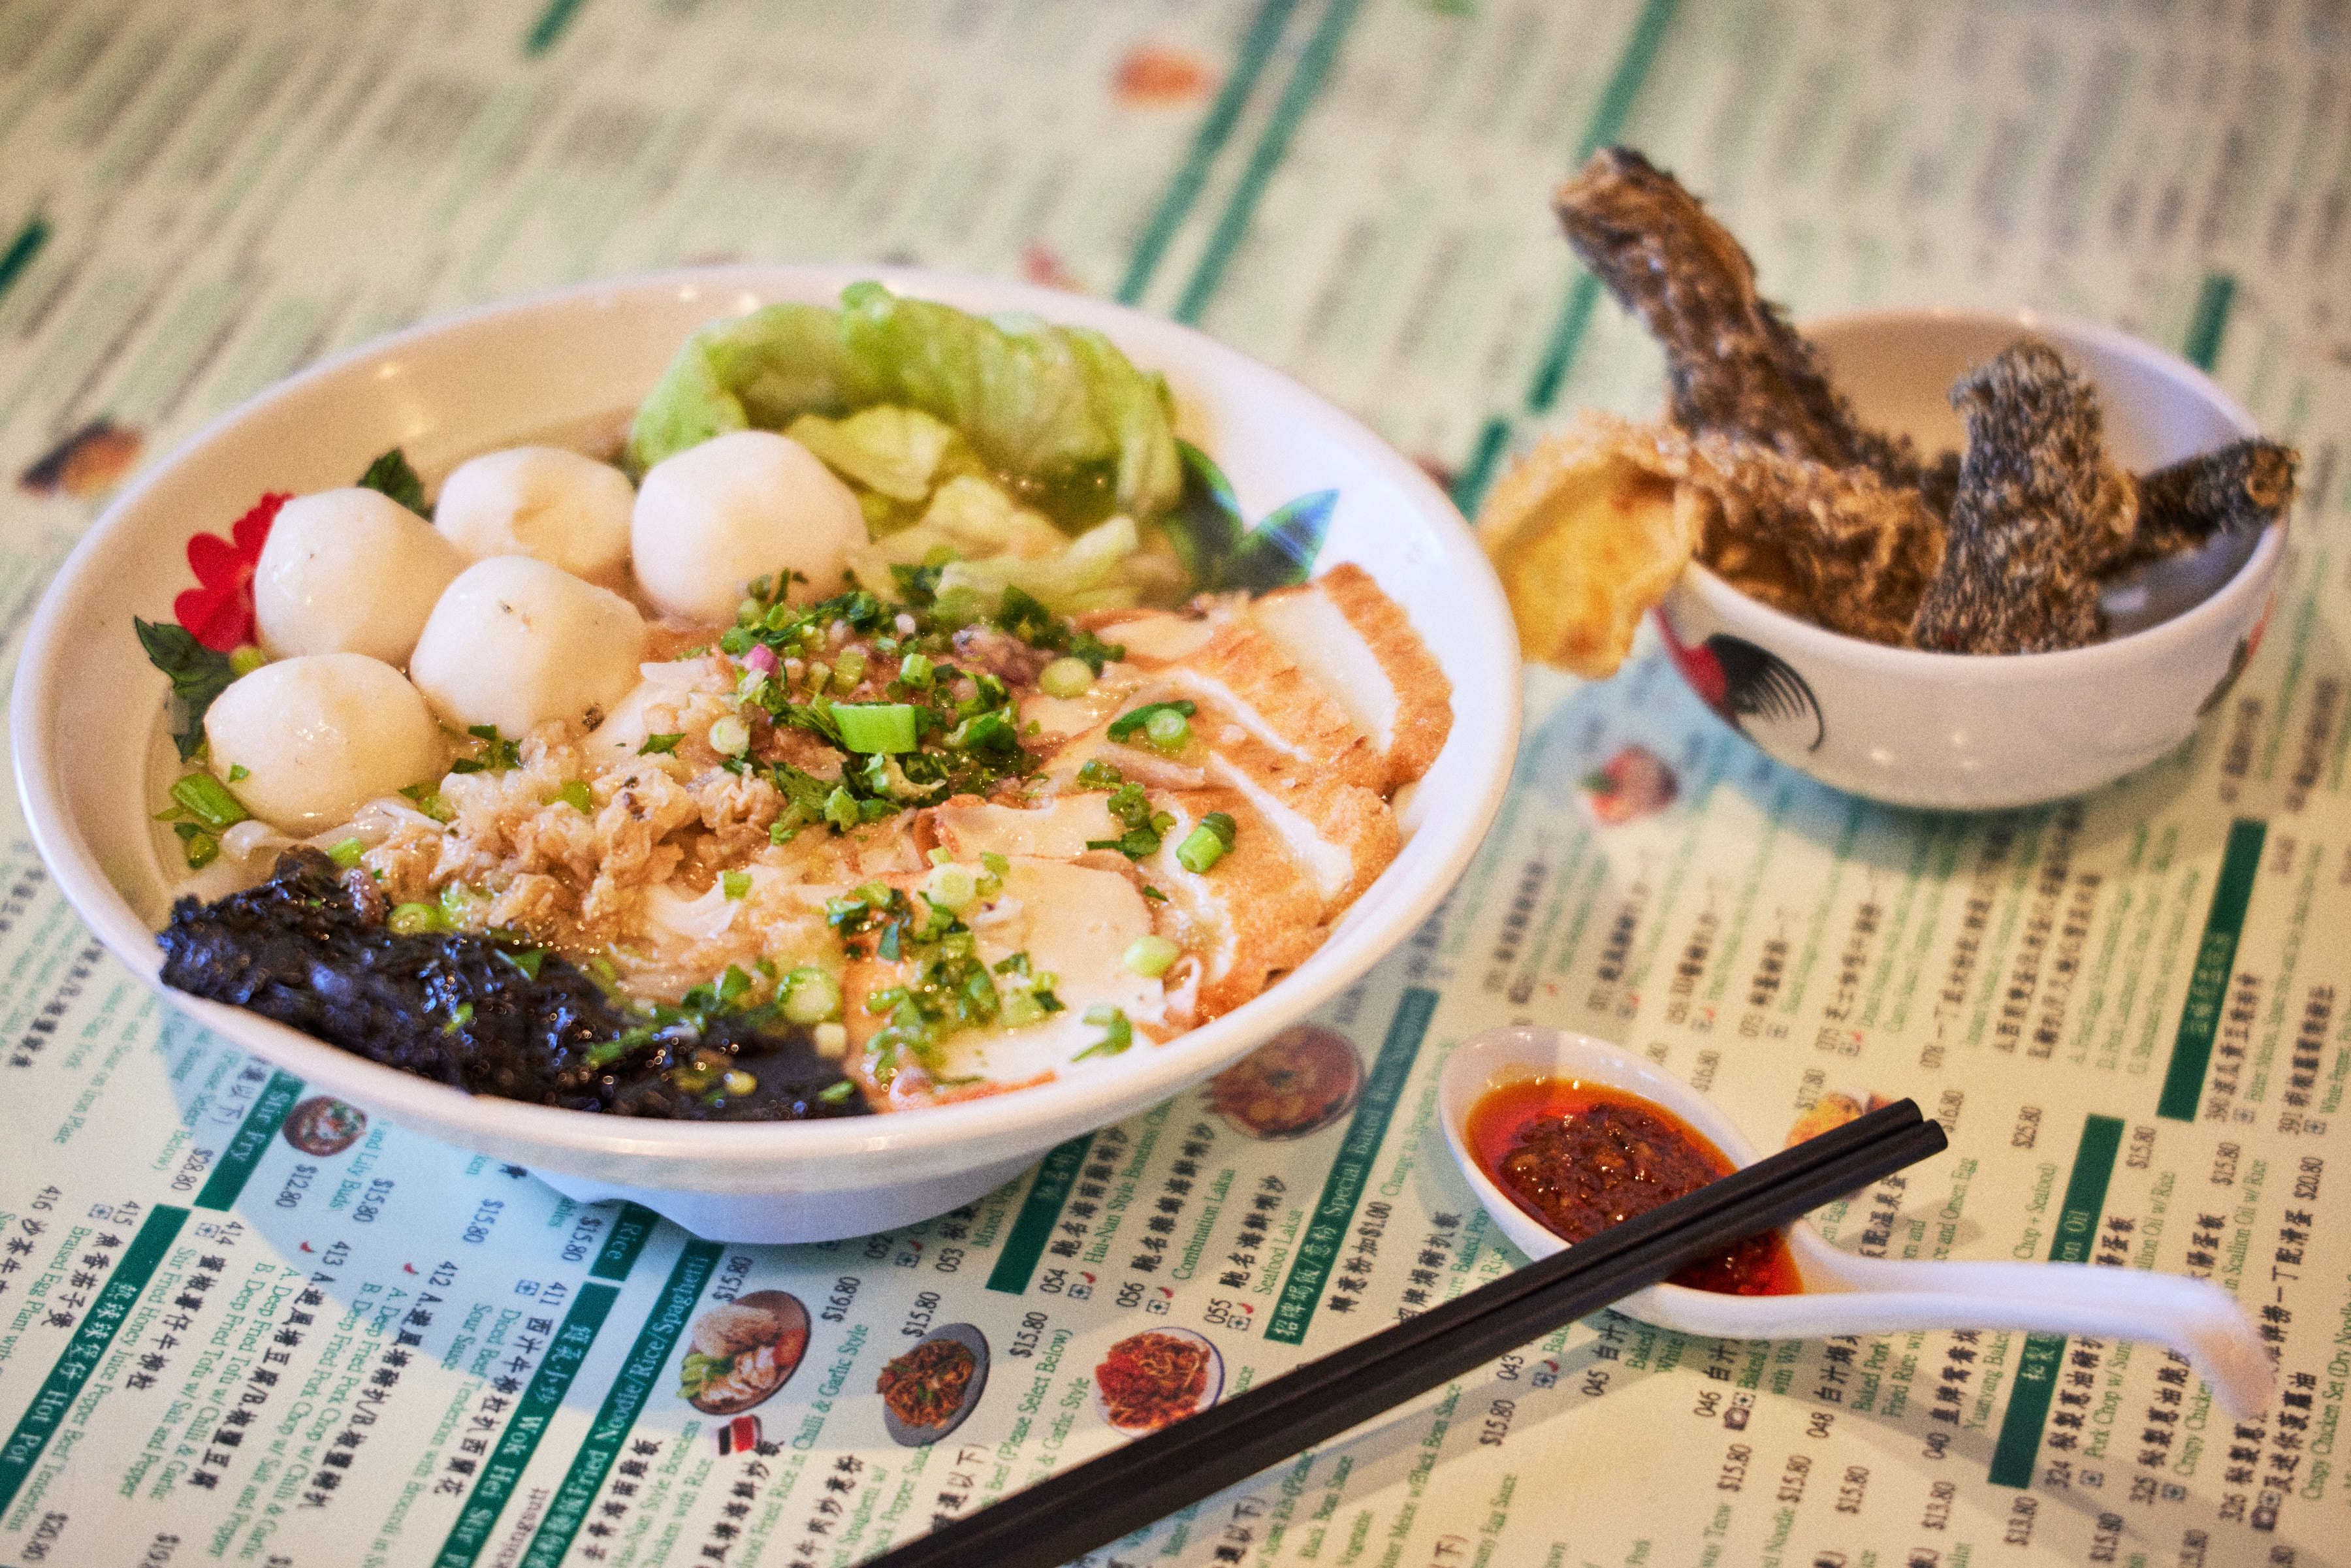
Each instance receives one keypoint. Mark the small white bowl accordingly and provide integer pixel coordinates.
(1979, 732)
(87, 705)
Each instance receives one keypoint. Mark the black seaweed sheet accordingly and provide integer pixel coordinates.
(460, 1010)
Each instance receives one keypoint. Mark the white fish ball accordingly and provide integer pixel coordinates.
(743, 506)
(516, 642)
(321, 735)
(349, 571)
(562, 508)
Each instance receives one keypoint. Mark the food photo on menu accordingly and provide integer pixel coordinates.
(1429, 783)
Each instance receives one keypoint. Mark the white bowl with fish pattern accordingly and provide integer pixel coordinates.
(86, 704)
(1982, 732)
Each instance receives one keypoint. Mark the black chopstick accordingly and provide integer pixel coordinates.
(1095, 1503)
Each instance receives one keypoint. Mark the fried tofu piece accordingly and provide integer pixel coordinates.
(1361, 649)
(1253, 916)
(1588, 531)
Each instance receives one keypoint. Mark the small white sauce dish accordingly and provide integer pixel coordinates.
(87, 704)
(1982, 732)
(1846, 1293)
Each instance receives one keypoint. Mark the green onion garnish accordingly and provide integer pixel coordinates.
(203, 849)
(207, 799)
(1118, 1033)
(835, 1093)
(246, 659)
(1126, 723)
(575, 795)
(729, 736)
(737, 884)
(1168, 730)
(659, 745)
(875, 728)
(346, 854)
(1065, 677)
(1204, 845)
(414, 919)
(238, 772)
(528, 960)
(1150, 955)
(809, 996)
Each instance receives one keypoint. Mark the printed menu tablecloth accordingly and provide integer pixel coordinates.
(242, 1323)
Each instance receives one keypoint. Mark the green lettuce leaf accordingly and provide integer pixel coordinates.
(887, 448)
(1057, 407)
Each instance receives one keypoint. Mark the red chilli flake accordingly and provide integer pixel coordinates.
(218, 612)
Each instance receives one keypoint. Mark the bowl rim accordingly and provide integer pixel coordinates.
(2224, 602)
(1453, 834)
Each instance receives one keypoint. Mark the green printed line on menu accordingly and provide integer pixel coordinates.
(2208, 984)
(86, 1348)
(543, 1395)
(251, 1140)
(1326, 1227)
(1040, 1212)
(2019, 1446)
(601, 1447)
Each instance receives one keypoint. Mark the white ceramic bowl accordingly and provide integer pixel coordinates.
(86, 704)
(1976, 732)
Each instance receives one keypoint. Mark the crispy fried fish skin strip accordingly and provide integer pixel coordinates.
(1587, 531)
(1839, 547)
(2241, 488)
(2038, 510)
(1736, 367)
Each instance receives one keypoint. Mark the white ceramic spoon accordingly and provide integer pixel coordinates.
(1845, 1294)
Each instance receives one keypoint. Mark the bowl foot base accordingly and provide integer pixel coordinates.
(783, 1217)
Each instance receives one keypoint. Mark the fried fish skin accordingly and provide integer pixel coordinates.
(2241, 488)
(1735, 366)
(2039, 510)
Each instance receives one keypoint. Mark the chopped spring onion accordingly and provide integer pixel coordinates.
(1065, 677)
(1153, 894)
(993, 864)
(848, 669)
(459, 1018)
(738, 1082)
(737, 882)
(1099, 775)
(818, 674)
(1168, 730)
(346, 854)
(203, 849)
(1117, 1032)
(809, 994)
(207, 799)
(871, 727)
(730, 736)
(659, 745)
(238, 772)
(528, 960)
(1150, 955)
(917, 671)
(835, 1093)
(951, 887)
(246, 659)
(1126, 723)
(575, 795)
(1204, 845)
(416, 919)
